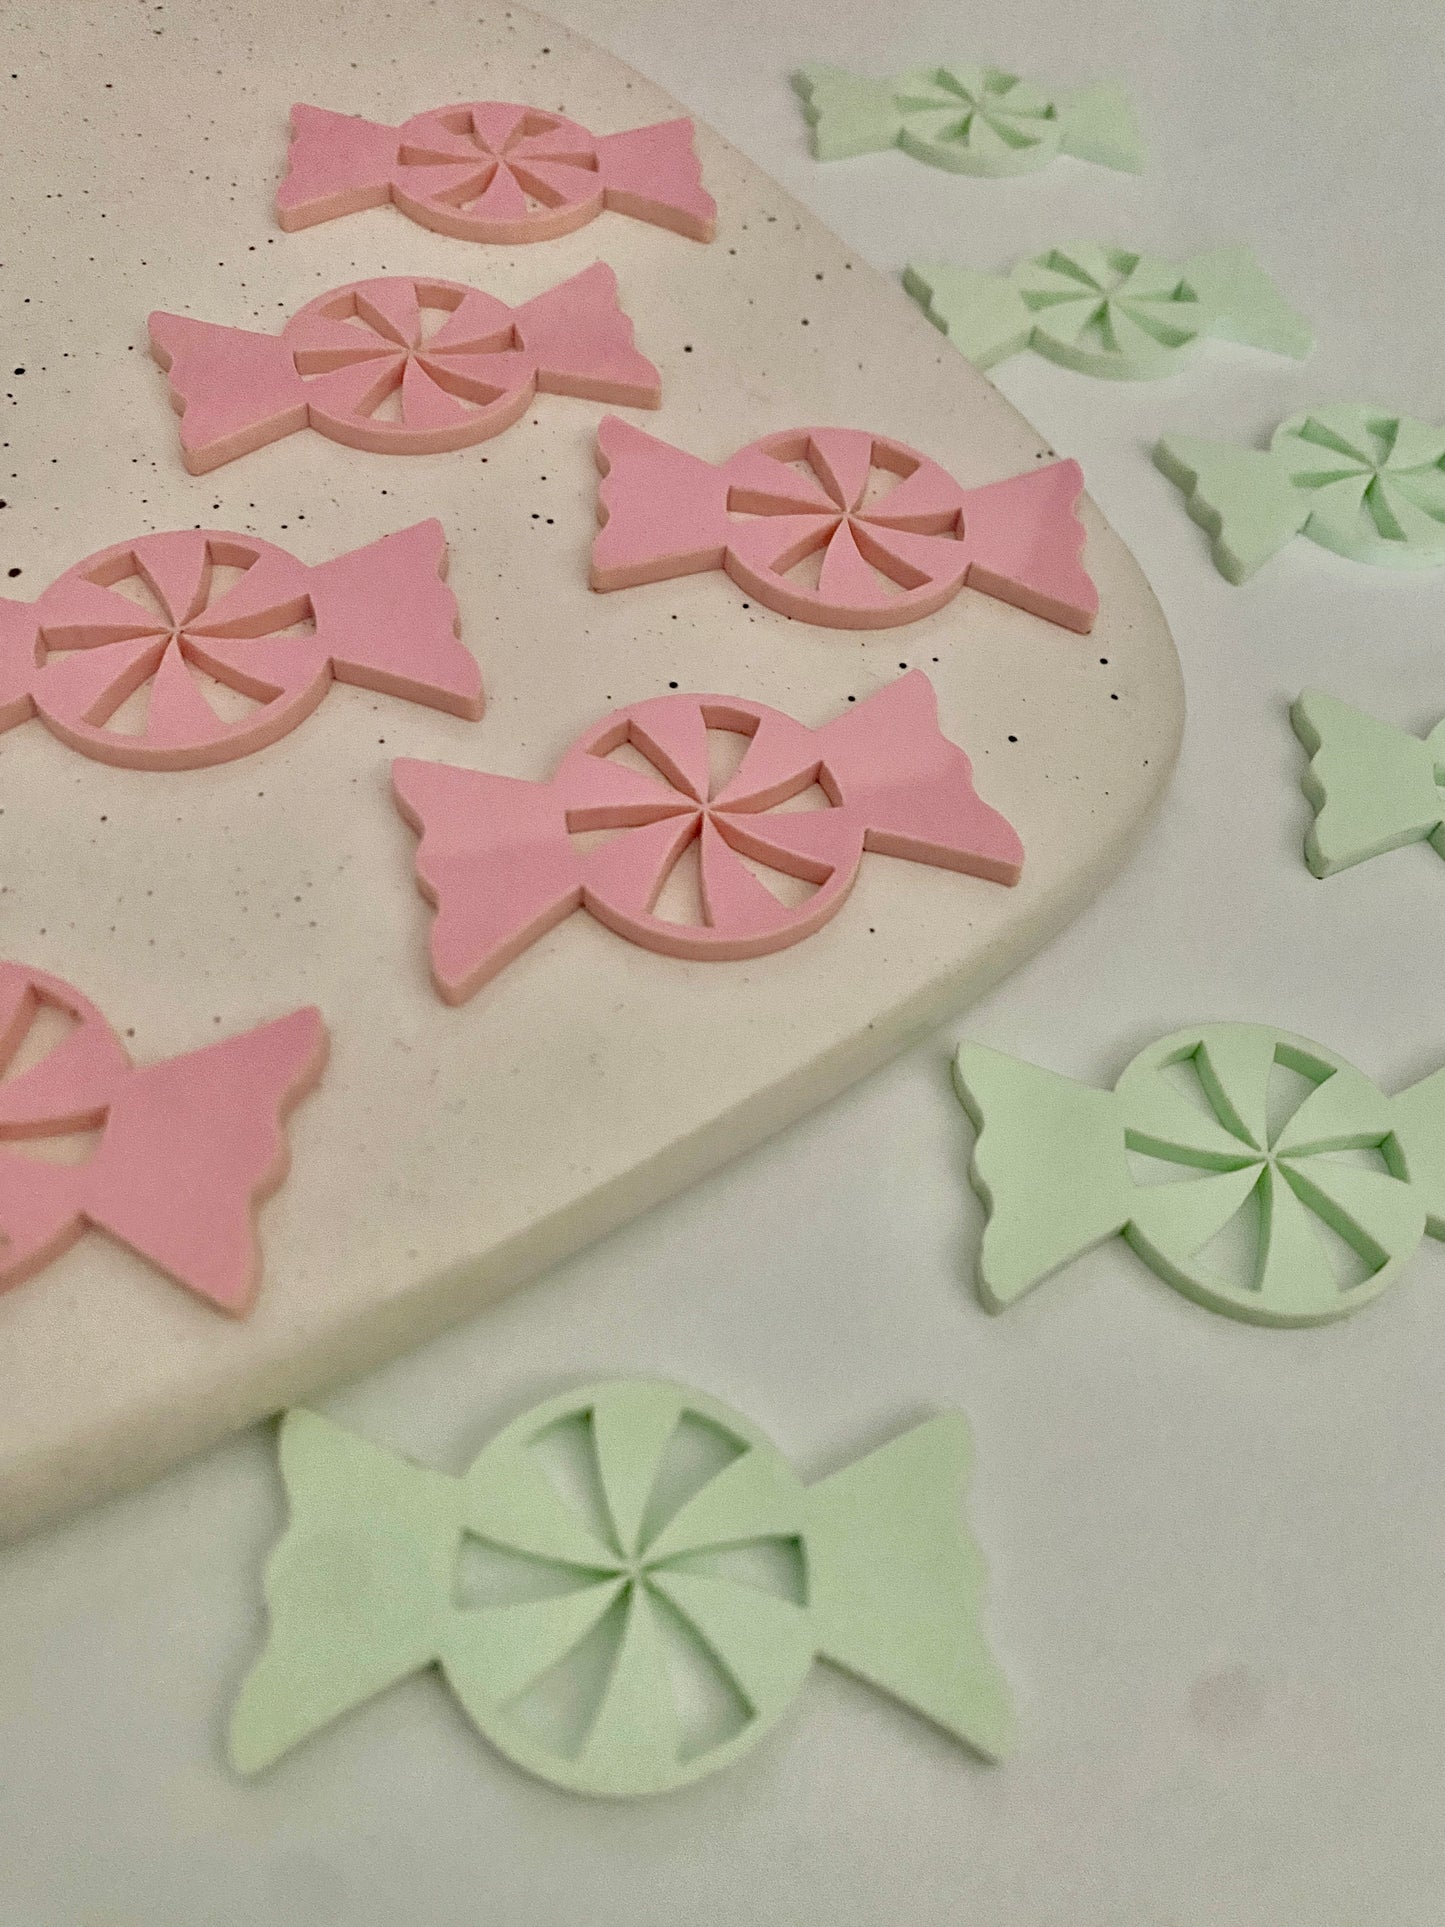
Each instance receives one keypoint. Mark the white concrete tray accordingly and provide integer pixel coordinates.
(450, 1154)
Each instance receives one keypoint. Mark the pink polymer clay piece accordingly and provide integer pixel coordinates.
(461, 365)
(888, 535)
(490, 170)
(498, 860)
(201, 610)
(187, 1149)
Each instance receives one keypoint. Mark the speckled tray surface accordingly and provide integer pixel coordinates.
(451, 1153)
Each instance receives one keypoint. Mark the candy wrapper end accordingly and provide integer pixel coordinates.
(896, 1583)
(1242, 498)
(234, 391)
(1372, 786)
(1025, 542)
(914, 788)
(355, 1588)
(494, 860)
(983, 315)
(1245, 305)
(188, 1148)
(582, 342)
(396, 623)
(1049, 1165)
(652, 174)
(336, 164)
(663, 512)
(1099, 125)
(193, 1147)
(847, 113)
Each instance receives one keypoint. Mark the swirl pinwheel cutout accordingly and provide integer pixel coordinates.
(491, 166)
(163, 633)
(878, 544)
(1327, 1164)
(1375, 483)
(452, 372)
(978, 120)
(694, 1607)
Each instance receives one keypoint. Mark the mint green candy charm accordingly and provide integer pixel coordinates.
(1108, 311)
(1373, 787)
(1253, 1170)
(1369, 485)
(625, 1591)
(970, 120)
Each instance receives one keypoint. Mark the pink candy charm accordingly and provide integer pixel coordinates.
(200, 617)
(839, 527)
(498, 860)
(489, 170)
(187, 1148)
(454, 365)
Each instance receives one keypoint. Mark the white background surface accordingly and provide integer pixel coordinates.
(1216, 1552)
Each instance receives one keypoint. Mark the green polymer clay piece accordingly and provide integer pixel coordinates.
(848, 114)
(1256, 1172)
(1373, 787)
(1107, 311)
(681, 1563)
(1367, 484)
(970, 120)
